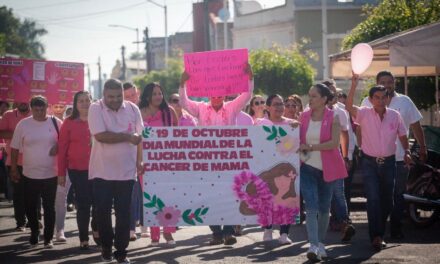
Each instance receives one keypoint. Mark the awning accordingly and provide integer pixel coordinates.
(417, 49)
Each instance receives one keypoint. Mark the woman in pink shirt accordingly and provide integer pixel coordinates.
(73, 156)
(275, 109)
(185, 119)
(156, 112)
(322, 164)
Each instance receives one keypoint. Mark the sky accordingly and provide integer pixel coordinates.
(79, 31)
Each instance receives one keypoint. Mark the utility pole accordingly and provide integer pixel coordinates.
(99, 93)
(147, 50)
(207, 24)
(124, 66)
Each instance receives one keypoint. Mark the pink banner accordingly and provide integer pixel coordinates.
(217, 73)
(58, 81)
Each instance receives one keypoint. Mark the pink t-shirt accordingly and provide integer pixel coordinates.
(379, 136)
(113, 162)
(207, 116)
(187, 120)
(244, 119)
(8, 122)
(34, 139)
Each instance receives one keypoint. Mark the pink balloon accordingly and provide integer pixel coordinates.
(361, 58)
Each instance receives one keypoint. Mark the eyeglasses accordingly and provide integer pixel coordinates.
(175, 101)
(290, 105)
(278, 105)
(257, 103)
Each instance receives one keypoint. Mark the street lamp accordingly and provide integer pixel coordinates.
(137, 43)
(166, 28)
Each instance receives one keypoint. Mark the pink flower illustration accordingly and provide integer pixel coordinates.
(287, 145)
(168, 217)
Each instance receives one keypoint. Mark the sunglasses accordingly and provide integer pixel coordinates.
(174, 101)
(257, 103)
(278, 105)
(290, 105)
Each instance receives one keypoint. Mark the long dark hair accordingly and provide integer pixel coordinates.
(270, 99)
(251, 111)
(147, 95)
(75, 112)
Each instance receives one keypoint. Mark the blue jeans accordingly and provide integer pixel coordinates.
(379, 186)
(339, 203)
(136, 205)
(219, 232)
(105, 194)
(317, 196)
(402, 174)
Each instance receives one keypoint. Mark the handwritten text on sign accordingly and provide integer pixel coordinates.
(217, 73)
(190, 172)
(57, 81)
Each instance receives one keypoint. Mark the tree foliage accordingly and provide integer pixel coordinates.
(282, 70)
(392, 16)
(169, 79)
(20, 37)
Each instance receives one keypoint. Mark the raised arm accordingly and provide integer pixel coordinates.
(352, 109)
(189, 105)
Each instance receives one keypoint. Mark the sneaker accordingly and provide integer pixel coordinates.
(378, 244)
(84, 245)
(230, 240)
(106, 255)
(20, 229)
(48, 244)
(321, 251)
(267, 236)
(123, 260)
(284, 239)
(144, 231)
(216, 241)
(133, 236)
(169, 237)
(70, 208)
(313, 253)
(171, 242)
(59, 237)
(348, 231)
(155, 243)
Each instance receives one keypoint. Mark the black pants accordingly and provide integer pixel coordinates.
(18, 199)
(105, 194)
(45, 190)
(84, 199)
(284, 229)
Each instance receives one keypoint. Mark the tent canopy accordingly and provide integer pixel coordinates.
(416, 51)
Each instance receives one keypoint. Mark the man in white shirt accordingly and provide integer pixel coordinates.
(411, 118)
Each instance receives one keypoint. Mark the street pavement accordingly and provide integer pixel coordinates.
(419, 246)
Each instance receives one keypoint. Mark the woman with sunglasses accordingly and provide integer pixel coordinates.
(257, 107)
(293, 106)
(183, 117)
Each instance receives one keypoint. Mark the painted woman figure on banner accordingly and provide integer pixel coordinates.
(281, 178)
(156, 113)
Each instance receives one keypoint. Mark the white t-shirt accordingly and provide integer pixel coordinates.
(351, 135)
(409, 113)
(35, 139)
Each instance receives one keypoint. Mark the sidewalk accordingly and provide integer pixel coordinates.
(419, 246)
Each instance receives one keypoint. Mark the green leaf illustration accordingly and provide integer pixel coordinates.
(267, 129)
(155, 213)
(160, 204)
(147, 196)
(272, 137)
(186, 219)
(149, 205)
(282, 131)
(153, 201)
(274, 130)
(186, 213)
(205, 210)
(197, 212)
(198, 219)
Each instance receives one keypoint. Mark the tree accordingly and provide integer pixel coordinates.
(169, 79)
(20, 38)
(282, 70)
(392, 16)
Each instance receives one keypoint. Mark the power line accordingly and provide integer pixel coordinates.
(185, 21)
(50, 5)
